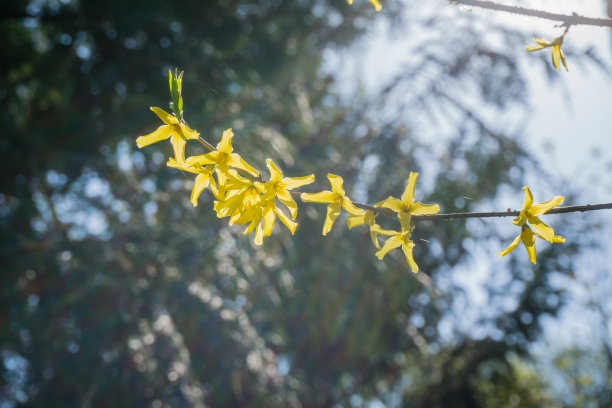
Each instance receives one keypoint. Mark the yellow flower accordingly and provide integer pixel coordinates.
(279, 186)
(406, 206)
(398, 239)
(336, 198)
(223, 158)
(245, 202)
(177, 132)
(368, 218)
(375, 3)
(557, 52)
(203, 179)
(530, 213)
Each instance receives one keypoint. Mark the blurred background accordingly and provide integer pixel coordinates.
(115, 291)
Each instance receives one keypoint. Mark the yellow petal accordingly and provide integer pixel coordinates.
(556, 55)
(544, 231)
(528, 198)
(349, 1)
(381, 231)
(258, 235)
(269, 216)
(188, 133)
(542, 42)
(407, 248)
(185, 167)
(405, 220)
(322, 197)
(424, 209)
(542, 208)
(203, 159)
(390, 245)
(225, 145)
(563, 59)
(529, 242)
(374, 237)
(534, 47)
(355, 220)
(167, 118)
(296, 182)
(289, 223)
(178, 144)
(162, 133)
(336, 184)
(348, 206)
(221, 180)
(235, 161)
(408, 194)
(376, 5)
(392, 203)
(201, 182)
(558, 239)
(275, 174)
(333, 210)
(521, 219)
(511, 247)
(285, 197)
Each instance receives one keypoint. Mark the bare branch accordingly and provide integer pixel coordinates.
(568, 20)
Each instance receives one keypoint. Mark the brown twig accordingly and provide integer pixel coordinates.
(568, 20)
(508, 213)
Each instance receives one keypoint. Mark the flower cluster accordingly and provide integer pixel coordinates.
(241, 197)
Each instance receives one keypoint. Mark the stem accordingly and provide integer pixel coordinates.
(567, 20)
(206, 144)
(508, 213)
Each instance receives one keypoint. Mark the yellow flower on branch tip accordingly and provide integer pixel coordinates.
(279, 186)
(223, 158)
(398, 239)
(375, 3)
(337, 200)
(406, 206)
(365, 218)
(203, 179)
(557, 52)
(177, 132)
(530, 213)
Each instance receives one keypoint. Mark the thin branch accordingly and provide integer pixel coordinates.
(508, 213)
(568, 20)
(207, 145)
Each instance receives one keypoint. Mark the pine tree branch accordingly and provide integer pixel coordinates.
(568, 20)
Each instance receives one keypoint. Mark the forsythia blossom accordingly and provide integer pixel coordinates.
(375, 3)
(337, 200)
(368, 218)
(557, 52)
(530, 213)
(223, 158)
(177, 132)
(398, 239)
(203, 179)
(405, 207)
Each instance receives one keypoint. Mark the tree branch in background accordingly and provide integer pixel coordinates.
(568, 20)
